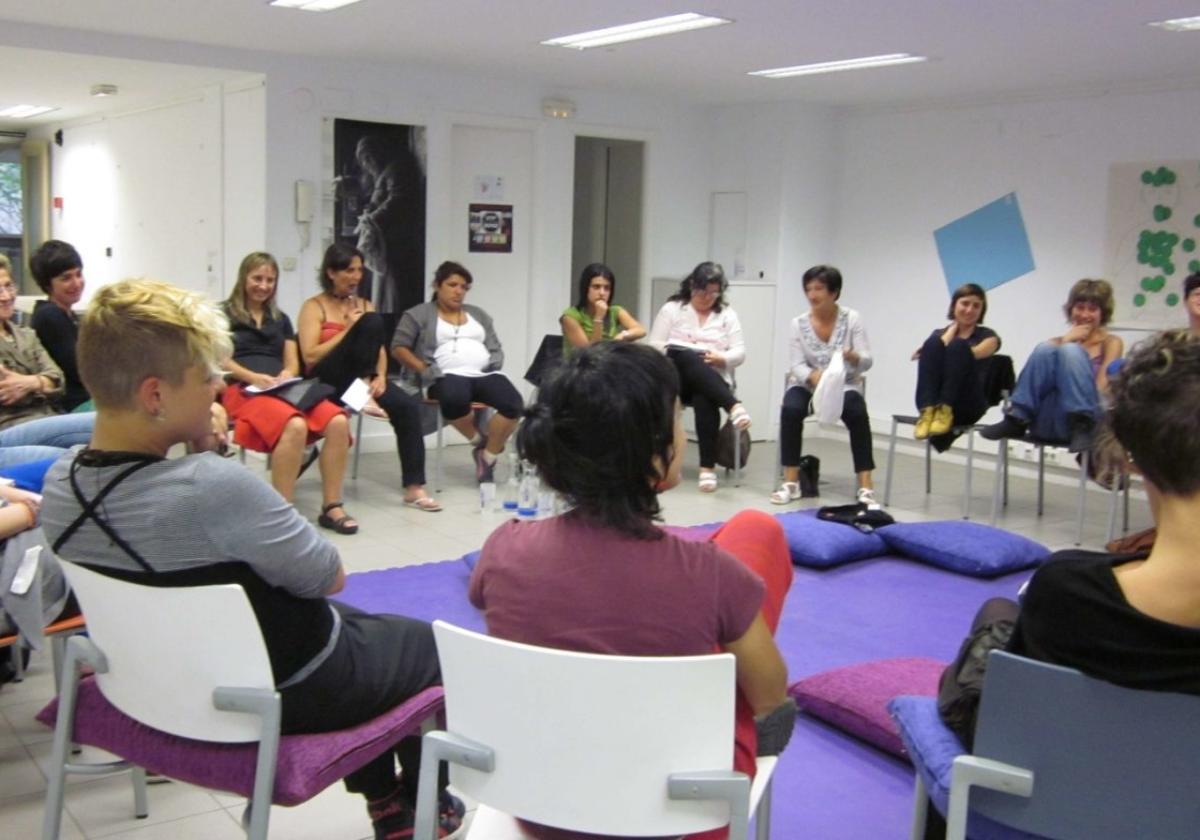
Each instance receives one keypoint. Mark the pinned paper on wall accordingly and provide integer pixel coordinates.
(988, 246)
(1153, 230)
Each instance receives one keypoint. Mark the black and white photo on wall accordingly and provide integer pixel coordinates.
(380, 207)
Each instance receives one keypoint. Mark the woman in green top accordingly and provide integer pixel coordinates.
(593, 318)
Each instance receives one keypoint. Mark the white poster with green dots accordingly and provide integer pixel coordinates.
(1153, 229)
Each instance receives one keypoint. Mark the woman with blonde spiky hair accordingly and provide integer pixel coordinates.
(150, 354)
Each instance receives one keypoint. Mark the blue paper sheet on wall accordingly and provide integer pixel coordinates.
(988, 246)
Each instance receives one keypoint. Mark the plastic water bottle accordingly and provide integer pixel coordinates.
(527, 497)
(545, 500)
(512, 484)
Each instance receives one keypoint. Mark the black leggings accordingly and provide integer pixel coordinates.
(703, 388)
(379, 662)
(357, 355)
(456, 393)
(854, 415)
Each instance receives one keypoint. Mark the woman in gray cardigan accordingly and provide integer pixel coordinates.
(454, 352)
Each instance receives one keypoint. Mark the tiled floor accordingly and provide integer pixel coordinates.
(396, 536)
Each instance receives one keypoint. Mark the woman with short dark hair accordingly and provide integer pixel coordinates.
(949, 385)
(606, 433)
(57, 268)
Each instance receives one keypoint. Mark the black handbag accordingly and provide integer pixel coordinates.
(305, 394)
(961, 684)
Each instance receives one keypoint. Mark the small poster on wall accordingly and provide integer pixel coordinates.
(490, 228)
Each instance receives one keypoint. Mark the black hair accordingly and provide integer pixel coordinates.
(447, 270)
(53, 258)
(1191, 283)
(829, 276)
(968, 290)
(703, 276)
(338, 257)
(585, 281)
(1153, 414)
(602, 433)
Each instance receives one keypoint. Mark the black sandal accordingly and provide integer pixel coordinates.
(344, 525)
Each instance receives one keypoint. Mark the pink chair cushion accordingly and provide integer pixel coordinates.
(307, 763)
(854, 698)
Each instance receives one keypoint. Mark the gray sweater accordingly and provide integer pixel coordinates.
(417, 331)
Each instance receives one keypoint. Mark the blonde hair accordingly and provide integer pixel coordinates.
(1099, 292)
(139, 328)
(6, 264)
(235, 304)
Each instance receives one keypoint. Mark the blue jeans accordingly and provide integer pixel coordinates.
(45, 437)
(1057, 381)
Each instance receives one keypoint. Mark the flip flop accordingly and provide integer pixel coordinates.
(425, 503)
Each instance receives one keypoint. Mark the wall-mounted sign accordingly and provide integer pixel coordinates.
(490, 228)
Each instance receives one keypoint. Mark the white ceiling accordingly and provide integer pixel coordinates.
(980, 50)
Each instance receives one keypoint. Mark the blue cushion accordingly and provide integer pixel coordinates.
(964, 547)
(28, 476)
(932, 747)
(820, 545)
(471, 558)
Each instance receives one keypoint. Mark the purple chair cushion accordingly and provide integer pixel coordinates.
(968, 548)
(307, 763)
(819, 545)
(855, 698)
(932, 749)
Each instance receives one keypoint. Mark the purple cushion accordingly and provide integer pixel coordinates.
(471, 558)
(307, 763)
(694, 533)
(933, 748)
(820, 545)
(968, 548)
(855, 698)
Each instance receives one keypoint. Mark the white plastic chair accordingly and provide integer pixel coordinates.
(1059, 754)
(622, 745)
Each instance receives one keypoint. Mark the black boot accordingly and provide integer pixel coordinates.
(1009, 427)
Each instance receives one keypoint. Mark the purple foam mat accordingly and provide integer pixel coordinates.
(827, 785)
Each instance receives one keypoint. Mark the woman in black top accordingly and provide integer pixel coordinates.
(949, 384)
(58, 270)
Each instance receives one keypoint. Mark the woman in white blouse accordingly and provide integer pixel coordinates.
(702, 335)
(816, 335)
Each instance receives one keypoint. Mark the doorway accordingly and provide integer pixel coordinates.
(607, 220)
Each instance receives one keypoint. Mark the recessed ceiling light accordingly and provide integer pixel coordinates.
(1187, 24)
(838, 66)
(636, 31)
(20, 112)
(311, 5)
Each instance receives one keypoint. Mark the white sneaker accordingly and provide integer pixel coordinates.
(789, 491)
(740, 417)
(867, 497)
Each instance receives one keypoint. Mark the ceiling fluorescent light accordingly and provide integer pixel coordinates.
(1187, 24)
(636, 31)
(21, 112)
(311, 5)
(838, 66)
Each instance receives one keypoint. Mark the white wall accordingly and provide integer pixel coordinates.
(905, 174)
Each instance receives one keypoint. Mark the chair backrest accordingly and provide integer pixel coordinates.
(586, 741)
(999, 378)
(1107, 761)
(549, 355)
(169, 648)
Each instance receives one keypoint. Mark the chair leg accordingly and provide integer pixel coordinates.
(437, 454)
(920, 809)
(1083, 477)
(1113, 499)
(891, 462)
(762, 814)
(358, 442)
(18, 660)
(1001, 475)
(970, 473)
(57, 777)
(928, 467)
(1041, 494)
(141, 809)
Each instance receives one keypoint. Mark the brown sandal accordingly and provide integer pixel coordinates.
(344, 524)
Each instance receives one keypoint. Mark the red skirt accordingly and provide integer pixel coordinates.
(258, 419)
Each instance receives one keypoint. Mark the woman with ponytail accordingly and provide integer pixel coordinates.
(603, 577)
